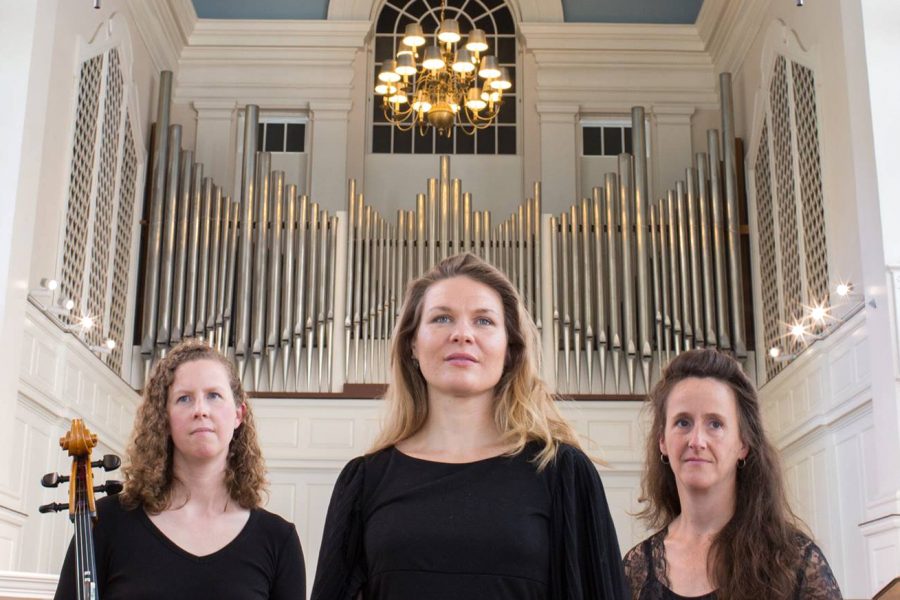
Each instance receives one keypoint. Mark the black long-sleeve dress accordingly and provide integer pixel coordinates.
(402, 528)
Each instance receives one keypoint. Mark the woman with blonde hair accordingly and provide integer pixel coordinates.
(713, 487)
(189, 523)
(477, 487)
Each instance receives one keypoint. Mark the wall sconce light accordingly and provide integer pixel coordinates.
(81, 325)
(108, 346)
(62, 306)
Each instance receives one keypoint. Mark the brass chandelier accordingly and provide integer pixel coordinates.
(451, 84)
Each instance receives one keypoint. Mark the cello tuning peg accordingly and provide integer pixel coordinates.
(109, 462)
(53, 507)
(52, 480)
(111, 487)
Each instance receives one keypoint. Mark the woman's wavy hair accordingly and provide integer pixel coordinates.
(756, 554)
(149, 477)
(524, 409)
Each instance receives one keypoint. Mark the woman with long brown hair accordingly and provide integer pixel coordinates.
(189, 523)
(713, 487)
(477, 487)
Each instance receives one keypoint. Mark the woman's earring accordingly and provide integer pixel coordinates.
(664, 459)
(742, 462)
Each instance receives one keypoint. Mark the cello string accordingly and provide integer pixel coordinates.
(80, 549)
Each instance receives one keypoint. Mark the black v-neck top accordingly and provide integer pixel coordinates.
(402, 528)
(136, 561)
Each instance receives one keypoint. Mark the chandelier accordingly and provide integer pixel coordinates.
(451, 84)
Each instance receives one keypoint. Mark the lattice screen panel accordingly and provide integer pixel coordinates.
(768, 264)
(786, 199)
(122, 261)
(790, 206)
(811, 197)
(103, 208)
(96, 247)
(82, 168)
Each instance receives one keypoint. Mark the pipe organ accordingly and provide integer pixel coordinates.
(305, 300)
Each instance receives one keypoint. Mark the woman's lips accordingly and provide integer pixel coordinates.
(460, 358)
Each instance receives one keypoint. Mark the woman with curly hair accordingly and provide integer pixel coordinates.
(714, 490)
(188, 523)
(477, 487)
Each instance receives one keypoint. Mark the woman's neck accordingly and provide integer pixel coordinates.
(200, 486)
(458, 428)
(703, 514)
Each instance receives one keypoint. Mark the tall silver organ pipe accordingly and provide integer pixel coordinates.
(245, 248)
(154, 235)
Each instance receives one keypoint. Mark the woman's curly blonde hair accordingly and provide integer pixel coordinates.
(149, 478)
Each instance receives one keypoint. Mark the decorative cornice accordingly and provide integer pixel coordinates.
(728, 29)
(279, 34)
(161, 26)
(611, 37)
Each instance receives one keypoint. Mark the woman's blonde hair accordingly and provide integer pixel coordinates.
(524, 409)
(149, 478)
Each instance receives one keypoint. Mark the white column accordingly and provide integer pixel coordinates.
(670, 146)
(26, 41)
(328, 153)
(559, 165)
(216, 140)
(871, 46)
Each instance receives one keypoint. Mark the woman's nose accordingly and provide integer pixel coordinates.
(698, 440)
(461, 333)
(201, 407)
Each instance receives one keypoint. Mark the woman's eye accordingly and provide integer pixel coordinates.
(181, 399)
(215, 395)
(441, 319)
(484, 321)
(716, 424)
(682, 423)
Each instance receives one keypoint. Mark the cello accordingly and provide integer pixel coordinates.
(81, 506)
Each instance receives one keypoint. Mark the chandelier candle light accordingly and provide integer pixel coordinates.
(442, 83)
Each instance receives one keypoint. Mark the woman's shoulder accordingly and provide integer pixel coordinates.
(816, 578)
(643, 550)
(271, 522)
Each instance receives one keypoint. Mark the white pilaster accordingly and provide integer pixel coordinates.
(328, 152)
(26, 36)
(671, 145)
(559, 175)
(216, 121)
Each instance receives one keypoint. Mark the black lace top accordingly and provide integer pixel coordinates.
(645, 569)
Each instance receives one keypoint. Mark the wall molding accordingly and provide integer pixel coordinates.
(15, 585)
(611, 67)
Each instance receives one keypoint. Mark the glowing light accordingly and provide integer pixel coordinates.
(843, 289)
(818, 313)
(774, 352)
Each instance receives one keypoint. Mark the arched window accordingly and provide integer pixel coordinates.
(495, 18)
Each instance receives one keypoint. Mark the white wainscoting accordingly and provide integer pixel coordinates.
(60, 379)
(818, 411)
